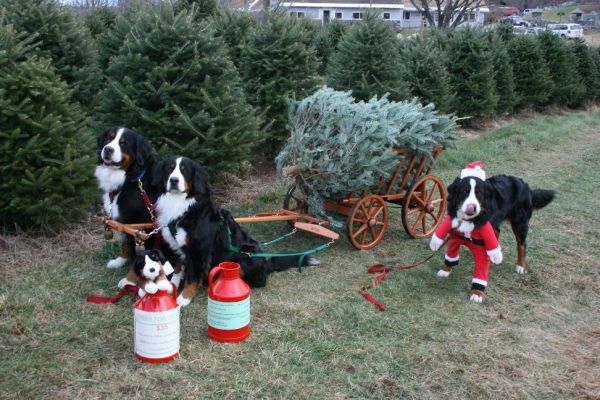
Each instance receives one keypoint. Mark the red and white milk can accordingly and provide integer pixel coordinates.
(228, 304)
(156, 321)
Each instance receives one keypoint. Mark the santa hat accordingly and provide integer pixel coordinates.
(474, 169)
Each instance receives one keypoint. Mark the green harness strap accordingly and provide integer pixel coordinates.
(235, 250)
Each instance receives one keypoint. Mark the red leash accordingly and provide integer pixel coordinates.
(383, 271)
(128, 290)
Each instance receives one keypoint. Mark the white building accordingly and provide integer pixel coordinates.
(401, 13)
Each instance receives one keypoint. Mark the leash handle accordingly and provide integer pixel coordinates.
(383, 271)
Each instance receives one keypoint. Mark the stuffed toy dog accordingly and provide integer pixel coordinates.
(153, 269)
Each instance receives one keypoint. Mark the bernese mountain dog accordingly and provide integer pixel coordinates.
(476, 208)
(202, 234)
(125, 166)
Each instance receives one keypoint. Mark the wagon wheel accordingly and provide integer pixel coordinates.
(367, 222)
(294, 201)
(424, 207)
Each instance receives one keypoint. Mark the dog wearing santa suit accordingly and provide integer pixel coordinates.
(476, 208)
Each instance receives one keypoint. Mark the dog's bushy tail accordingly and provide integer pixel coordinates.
(541, 197)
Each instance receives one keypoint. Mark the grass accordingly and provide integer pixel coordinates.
(536, 336)
(552, 15)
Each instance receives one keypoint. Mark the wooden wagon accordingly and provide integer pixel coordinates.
(422, 197)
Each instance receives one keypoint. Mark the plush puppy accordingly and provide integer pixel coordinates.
(203, 234)
(153, 269)
(476, 208)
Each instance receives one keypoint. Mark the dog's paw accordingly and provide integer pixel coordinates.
(476, 296)
(443, 274)
(151, 287)
(312, 261)
(141, 292)
(176, 279)
(124, 282)
(182, 301)
(165, 285)
(116, 263)
(495, 255)
(476, 299)
(435, 243)
(520, 270)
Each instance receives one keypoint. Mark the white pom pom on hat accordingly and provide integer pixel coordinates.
(474, 169)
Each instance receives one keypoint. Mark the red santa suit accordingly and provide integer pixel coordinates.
(482, 243)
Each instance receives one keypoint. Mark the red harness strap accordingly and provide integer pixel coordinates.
(152, 210)
(383, 271)
(128, 290)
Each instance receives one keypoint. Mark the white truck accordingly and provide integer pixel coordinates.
(567, 31)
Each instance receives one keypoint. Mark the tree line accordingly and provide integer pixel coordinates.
(214, 85)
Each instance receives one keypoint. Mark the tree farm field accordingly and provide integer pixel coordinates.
(536, 336)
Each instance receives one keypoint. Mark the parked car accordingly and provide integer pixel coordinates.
(535, 30)
(515, 21)
(566, 31)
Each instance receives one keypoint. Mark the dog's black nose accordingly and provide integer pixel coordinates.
(152, 270)
(174, 180)
(108, 151)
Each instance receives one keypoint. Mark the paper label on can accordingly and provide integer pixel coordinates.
(228, 316)
(156, 333)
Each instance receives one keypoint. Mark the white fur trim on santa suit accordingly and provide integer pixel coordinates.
(435, 243)
(473, 169)
(495, 255)
(451, 259)
(479, 281)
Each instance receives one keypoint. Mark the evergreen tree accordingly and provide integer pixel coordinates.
(367, 62)
(587, 67)
(62, 39)
(471, 71)
(46, 160)
(532, 76)
(234, 28)
(505, 31)
(327, 41)
(568, 88)
(277, 64)
(503, 74)
(99, 20)
(425, 65)
(110, 41)
(174, 83)
(201, 9)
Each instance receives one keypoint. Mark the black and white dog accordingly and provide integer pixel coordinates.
(201, 233)
(473, 201)
(125, 161)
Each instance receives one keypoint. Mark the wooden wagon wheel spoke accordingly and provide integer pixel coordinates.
(437, 201)
(377, 212)
(413, 210)
(372, 230)
(360, 230)
(421, 217)
(364, 235)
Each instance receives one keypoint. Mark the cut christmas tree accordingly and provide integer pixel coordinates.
(338, 145)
